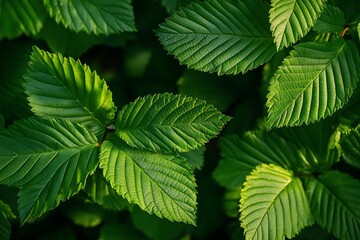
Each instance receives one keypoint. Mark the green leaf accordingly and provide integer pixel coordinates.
(113, 231)
(98, 17)
(195, 157)
(59, 87)
(292, 19)
(334, 201)
(5, 215)
(227, 37)
(21, 17)
(313, 82)
(273, 204)
(2, 122)
(240, 155)
(358, 29)
(168, 123)
(173, 5)
(160, 184)
(49, 160)
(331, 20)
(103, 194)
(350, 146)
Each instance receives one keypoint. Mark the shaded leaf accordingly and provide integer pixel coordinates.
(59, 87)
(2, 122)
(173, 5)
(350, 146)
(168, 123)
(195, 157)
(334, 200)
(331, 20)
(5, 216)
(98, 17)
(113, 231)
(160, 184)
(292, 19)
(210, 36)
(273, 204)
(313, 82)
(21, 17)
(49, 160)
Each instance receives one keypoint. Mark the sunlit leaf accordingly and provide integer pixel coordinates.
(160, 184)
(168, 123)
(98, 17)
(49, 160)
(316, 80)
(60, 87)
(227, 37)
(334, 200)
(273, 204)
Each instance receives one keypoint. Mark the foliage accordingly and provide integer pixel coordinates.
(110, 122)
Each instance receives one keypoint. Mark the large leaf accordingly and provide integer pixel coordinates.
(273, 204)
(98, 17)
(21, 17)
(160, 184)
(227, 37)
(331, 20)
(313, 82)
(292, 19)
(5, 215)
(168, 123)
(334, 200)
(60, 87)
(240, 155)
(49, 160)
(350, 146)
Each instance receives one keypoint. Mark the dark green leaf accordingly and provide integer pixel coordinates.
(119, 231)
(350, 146)
(195, 157)
(5, 215)
(331, 20)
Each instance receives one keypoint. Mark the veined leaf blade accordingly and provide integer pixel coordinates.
(292, 19)
(98, 17)
(160, 184)
(334, 201)
(168, 123)
(219, 36)
(350, 145)
(49, 160)
(331, 20)
(60, 87)
(273, 204)
(316, 80)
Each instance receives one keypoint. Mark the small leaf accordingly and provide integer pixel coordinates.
(350, 146)
(98, 17)
(334, 201)
(195, 157)
(292, 19)
(5, 215)
(21, 17)
(160, 184)
(331, 20)
(168, 123)
(273, 204)
(210, 36)
(49, 160)
(59, 87)
(358, 29)
(316, 80)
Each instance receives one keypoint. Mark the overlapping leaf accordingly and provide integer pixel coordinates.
(59, 87)
(240, 155)
(49, 160)
(313, 82)
(350, 146)
(160, 184)
(273, 204)
(168, 123)
(98, 17)
(5, 215)
(21, 17)
(331, 20)
(334, 200)
(292, 19)
(227, 37)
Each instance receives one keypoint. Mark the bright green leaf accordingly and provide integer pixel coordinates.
(59, 87)
(168, 123)
(98, 17)
(227, 37)
(358, 29)
(5, 215)
(313, 82)
(334, 201)
(160, 184)
(21, 17)
(331, 20)
(49, 160)
(103, 194)
(292, 19)
(273, 204)
(240, 155)
(350, 146)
